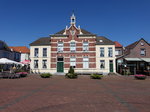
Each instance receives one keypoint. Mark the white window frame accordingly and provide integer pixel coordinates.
(143, 52)
(60, 47)
(110, 52)
(44, 64)
(85, 62)
(36, 64)
(73, 61)
(117, 52)
(36, 52)
(102, 64)
(44, 52)
(85, 46)
(72, 46)
(102, 52)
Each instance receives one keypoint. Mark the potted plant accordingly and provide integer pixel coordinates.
(140, 76)
(22, 74)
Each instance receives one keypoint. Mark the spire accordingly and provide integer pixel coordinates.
(73, 19)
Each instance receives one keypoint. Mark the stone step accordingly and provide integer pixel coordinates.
(57, 73)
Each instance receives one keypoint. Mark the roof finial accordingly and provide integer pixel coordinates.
(73, 19)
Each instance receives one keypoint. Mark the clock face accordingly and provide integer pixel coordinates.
(142, 43)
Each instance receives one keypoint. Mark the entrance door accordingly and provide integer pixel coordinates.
(111, 66)
(60, 64)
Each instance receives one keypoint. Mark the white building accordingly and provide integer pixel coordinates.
(76, 47)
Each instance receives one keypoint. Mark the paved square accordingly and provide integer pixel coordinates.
(57, 94)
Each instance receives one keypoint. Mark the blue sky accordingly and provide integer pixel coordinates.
(23, 21)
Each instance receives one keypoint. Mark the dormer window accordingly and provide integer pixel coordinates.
(100, 40)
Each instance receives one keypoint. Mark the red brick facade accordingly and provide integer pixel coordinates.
(78, 54)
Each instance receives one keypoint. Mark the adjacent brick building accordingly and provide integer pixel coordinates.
(136, 58)
(73, 46)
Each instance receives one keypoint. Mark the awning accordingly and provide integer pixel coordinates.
(8, 61)
(146, 59)
(133, 59)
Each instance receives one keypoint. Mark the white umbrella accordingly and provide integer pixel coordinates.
(7, 61)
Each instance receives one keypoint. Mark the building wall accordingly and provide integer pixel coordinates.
(24, 56)
(79, 54)
(135, 52)
(6, 54)
(120, 49)
(16, 56)
(106, 58)
(40, 58)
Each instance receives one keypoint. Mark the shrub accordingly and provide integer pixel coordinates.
(71, 70)
(140, 76)
(46, 75)
(96, 76)
(71, 76)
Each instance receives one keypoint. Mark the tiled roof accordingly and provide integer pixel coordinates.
(60, 32)
(22, 49)
(103, 41)
(132, 45)
(117, 44)
(41, 41)
(86, 32)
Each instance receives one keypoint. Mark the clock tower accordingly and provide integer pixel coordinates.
(73, 19)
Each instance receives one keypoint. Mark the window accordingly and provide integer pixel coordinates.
(1, 45)
(6, 55)
(35, 63)
(102, 52)
(36, 52)
(60, 59)
(72, 46)
(85, 46)
(117, 52)
(73, 62)
(100, 40)
(44, 52)
(85, 62)
(102, 64)
(143, 52)
(110, 52)
(44, 63)
(142, 44)
(60, 47)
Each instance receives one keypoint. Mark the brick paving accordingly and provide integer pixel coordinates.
(57, 94)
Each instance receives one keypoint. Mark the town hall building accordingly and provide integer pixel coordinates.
(73, 46)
